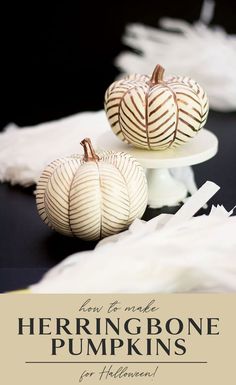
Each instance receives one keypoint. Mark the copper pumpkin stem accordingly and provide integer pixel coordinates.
(89, 153)
(157, 75)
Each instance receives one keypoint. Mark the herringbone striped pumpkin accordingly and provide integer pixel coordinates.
(92, 196)
(156, 113)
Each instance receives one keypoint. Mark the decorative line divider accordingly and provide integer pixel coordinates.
(116, 362)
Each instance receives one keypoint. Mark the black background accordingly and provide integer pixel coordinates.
(57, 61)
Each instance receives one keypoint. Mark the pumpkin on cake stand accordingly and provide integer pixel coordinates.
(159, 120)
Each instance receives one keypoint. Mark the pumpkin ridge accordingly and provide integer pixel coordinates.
(101, 203)
(112, 106)
(159, 106)
(134, 139)
(133, 122)
(189, 114)
(55, 207)
(126, 184)
(146, 117)
(54, 216)
(84, 204)
(147, 105)
(164, 132)
(189, 96)
(111, 213)
(60, 180)
(121, 99)
(69, 201)
(133, 173)
(161, 124)
(135, 105)
(177, 114)
(42, 185)
(188, 124)
(128, 128)
(132, 113)
(185, 134)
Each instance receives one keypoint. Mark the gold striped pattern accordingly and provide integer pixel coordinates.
(42, 187)
(156, 117)
(135, 181)
(93, 199)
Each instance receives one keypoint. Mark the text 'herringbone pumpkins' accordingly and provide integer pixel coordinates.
(92, 196)
(156, 113)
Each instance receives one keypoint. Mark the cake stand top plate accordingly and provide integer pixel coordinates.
(201, 148)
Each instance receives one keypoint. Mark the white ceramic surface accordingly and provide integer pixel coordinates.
(163, 189)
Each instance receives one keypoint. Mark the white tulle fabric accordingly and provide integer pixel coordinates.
(168, 254)
(25, 152)
(206, 54)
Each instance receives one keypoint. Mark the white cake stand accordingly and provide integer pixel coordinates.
(163, 189)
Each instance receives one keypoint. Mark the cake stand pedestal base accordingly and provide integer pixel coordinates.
(163, 189)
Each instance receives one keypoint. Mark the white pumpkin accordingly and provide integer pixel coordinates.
(156, 113)
(92, 196)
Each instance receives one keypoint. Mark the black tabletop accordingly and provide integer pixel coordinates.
(28, 248)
